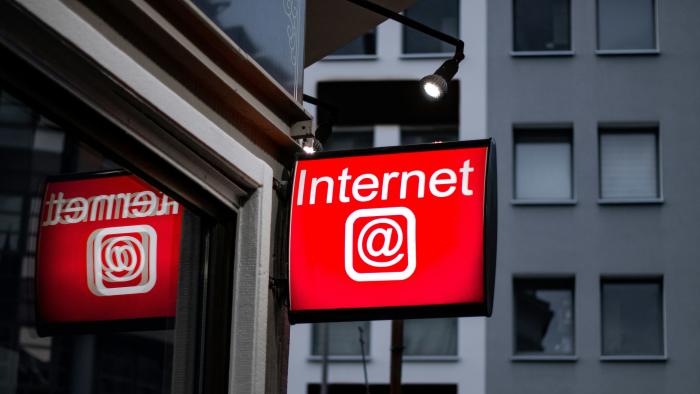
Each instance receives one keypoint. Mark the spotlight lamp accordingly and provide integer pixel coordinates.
(311, 145)
(435, 85)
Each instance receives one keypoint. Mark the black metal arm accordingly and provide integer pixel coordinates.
(459, 44)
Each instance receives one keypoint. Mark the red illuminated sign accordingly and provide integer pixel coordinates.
(108, 254)
(394, 233)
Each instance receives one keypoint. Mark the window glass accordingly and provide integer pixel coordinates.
(629, 164)
(356, 138)
(543, 165)
(430, 337)
(632, 316)
(626, 24)
(544, 316)
(365, 44)
(541, 25)
(343, 338)
(33, 147)
(427, 135)
(440, 15)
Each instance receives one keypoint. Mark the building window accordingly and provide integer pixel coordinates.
(364, 45)
(441, 15)
(428, 134)
(544, 316)
(543, 165)
(343, 338)
(632, 317)
(343, 138)
(541, 25)
(626, 25)
(430, 337)
(629, 164)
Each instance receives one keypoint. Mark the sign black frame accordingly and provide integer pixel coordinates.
(422, 311)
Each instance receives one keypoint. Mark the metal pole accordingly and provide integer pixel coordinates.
(364, 360)
(396, 356)
(324, 358)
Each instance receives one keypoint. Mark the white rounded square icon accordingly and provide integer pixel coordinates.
(385, 229)
(122, 260)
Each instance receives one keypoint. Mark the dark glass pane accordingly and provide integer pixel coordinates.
(541, 25)
(365, 44)
(430, 337)
(544, 316)
(441, 15)
(33, 148)
(343, 338)
(271, 32)
(626, 24)
(632, 318)
(342, 140)
(429, 135)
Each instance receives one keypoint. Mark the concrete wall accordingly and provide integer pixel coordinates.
(589, 239)
(468, 371)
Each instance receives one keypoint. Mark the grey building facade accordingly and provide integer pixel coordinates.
(595, 109)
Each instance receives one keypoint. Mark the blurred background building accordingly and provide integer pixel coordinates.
(594, 108)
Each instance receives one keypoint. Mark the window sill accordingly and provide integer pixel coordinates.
(435, 55)
(518, 202)
(661, 358)
(342, 359)
(542, 53)
(430, 358)
(627, 52)
(544, 358)
(342, 58)
(640, 201)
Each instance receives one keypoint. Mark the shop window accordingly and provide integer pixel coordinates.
(626, 25)
(544, 316)
(543, 165)
(426, 134)
(430, 337)
(629, 164)
(83, 358)
(343, 339)
(632, 316)
(440, 15)
(541, 25)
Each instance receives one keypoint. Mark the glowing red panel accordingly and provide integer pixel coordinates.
(390, 233)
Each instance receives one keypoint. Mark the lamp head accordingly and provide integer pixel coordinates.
(435, 85)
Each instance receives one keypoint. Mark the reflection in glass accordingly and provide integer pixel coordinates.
(33, 148)
(544, 316)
